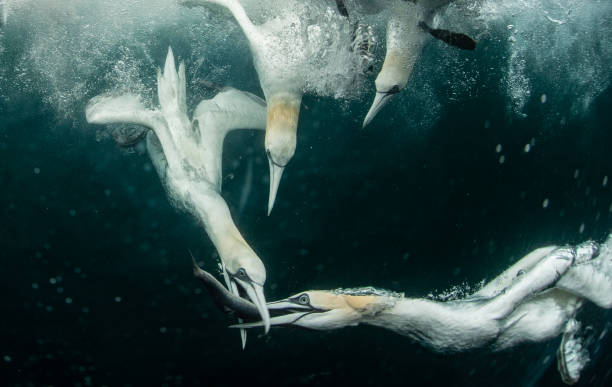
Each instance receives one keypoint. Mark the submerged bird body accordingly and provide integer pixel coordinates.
(405, 40)
(477, 321)
(187, 156)
(534, 300)
(278, 51)
(285, 49)
(407, 31)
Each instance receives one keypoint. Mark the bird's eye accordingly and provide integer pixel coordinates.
(304, 299)
(241, 273)
(394, 90)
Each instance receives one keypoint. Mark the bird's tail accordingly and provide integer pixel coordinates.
(171, 87)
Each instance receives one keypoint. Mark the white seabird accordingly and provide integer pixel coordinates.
(279, 51)
(407, 30)
(187, 157)
(536, 299)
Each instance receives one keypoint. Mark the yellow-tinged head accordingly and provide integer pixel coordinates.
(319, 309)
(281, 136)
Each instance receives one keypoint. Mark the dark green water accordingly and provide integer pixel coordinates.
(96, 282)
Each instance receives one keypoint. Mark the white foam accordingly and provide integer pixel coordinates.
(69, 51)
(560, 46)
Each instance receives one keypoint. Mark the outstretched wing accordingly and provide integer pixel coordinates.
(510, 275)
(250, 30)
(128, 109)
(229, 110)
(123, 109)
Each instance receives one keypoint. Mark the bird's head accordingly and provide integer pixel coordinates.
(392, 79)
(281, 136)
(322, 310)
(244, 270)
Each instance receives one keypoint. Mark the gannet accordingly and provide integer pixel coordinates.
(187, 156)
(534, 300)
(279, 52)
(407, 29)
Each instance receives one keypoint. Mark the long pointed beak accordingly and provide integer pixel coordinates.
(234, 289)
(380, 100)
(256, 294)
(294, 314)
(287, 319)
(276, 172)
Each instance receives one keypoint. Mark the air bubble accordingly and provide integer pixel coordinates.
(605, 181)
(545, 203)
(498, 148)
(527, 148)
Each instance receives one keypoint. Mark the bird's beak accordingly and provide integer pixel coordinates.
(380, 100)
(276, 172)
(294, 312)
(256, 294)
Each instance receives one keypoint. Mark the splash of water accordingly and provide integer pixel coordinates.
(556, 47)
(71, 50)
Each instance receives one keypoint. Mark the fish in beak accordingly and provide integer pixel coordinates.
(253, 290)
(288, 314)
(256, 294)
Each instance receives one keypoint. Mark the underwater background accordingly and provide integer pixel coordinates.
(484, 157)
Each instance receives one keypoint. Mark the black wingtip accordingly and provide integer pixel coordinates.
(451, 38)
(342, 8)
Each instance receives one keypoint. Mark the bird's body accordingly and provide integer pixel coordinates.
(187, 156)
(534, 300)
(407, 31)
(477, 321)
(287, 48)
(404, 44)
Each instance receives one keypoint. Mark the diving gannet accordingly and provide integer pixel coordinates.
(534, 300)
(407, 30)
(187, 157)
(279, 52)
